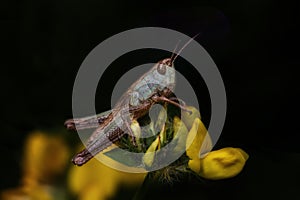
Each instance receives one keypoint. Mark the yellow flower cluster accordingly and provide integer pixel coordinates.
(219, 164)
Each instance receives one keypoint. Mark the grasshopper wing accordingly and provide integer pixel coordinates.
(89, 122)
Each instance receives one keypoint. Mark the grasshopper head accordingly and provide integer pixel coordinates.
(163, 65)
(167, 61)
(164, 73)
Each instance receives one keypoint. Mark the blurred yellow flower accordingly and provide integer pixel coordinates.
(96, 181)
(45, 157)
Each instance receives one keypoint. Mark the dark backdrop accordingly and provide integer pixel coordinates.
(255, 45)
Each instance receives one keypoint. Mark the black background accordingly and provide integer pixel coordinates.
(255, 45)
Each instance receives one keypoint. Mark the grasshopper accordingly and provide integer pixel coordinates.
(153, 87)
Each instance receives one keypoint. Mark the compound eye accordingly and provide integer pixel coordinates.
(161, 68)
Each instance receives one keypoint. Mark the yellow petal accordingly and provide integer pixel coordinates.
(180, 133)
(198, 143)
(150, 153)
(136, 129)
(163, 135)
(223, 163)
(197, 135)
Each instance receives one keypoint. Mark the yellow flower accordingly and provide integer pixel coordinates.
(45, 156)
(219, 164)
(223, 163)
